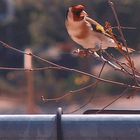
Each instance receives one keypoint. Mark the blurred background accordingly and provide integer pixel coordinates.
(40, 26)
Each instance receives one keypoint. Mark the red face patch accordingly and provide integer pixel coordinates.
(78, 9)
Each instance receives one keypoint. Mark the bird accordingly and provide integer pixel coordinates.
(87, 32)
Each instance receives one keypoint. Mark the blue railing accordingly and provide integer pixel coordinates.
(70, 127)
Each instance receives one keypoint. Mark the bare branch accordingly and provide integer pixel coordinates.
(72, 70)
(122, 68)
(128, 69)
(92, 96)
(74, 91)
(90, 99)
(115, 67)
(93, 84)
(33, 69)
(66, 95)
(116, 99)
(123, 39)
(126, 28)
(118, 24)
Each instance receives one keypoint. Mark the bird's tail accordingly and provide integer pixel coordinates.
(120, 47)
(113, 43)
(123, 48)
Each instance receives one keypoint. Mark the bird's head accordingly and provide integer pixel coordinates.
(77, 12)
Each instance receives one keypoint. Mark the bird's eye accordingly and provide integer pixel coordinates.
(77, 13)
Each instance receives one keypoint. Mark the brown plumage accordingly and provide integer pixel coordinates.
(87, 32)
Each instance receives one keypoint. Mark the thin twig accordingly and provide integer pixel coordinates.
(127, 28)
(123, 38)
(116, 99)
(65, 95)
(12, 48)
(122, 68)
(92, 96)
(74, 91)
(88, 86)
(90, 99)
(118, 67)
(72, 70)
(88, 74)
(32, 69)
(119, 26)
(115, 67)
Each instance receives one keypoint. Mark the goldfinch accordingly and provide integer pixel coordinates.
(87, 32)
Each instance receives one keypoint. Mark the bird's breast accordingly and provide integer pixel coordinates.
(79, 30)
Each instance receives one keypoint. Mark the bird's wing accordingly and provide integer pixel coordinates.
(97, 27)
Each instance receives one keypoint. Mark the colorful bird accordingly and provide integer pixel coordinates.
(87, 32)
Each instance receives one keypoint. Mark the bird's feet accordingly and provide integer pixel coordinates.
(83, 52)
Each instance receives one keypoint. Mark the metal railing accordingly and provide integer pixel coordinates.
(70, 127)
